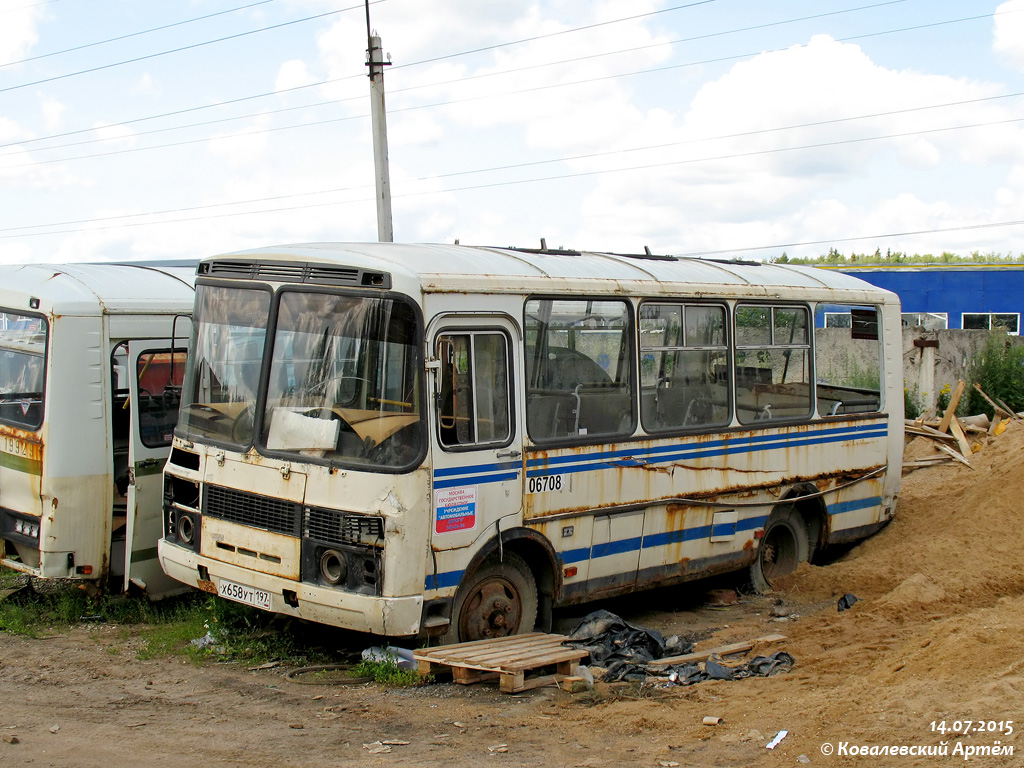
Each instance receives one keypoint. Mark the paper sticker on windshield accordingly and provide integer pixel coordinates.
(455, 509)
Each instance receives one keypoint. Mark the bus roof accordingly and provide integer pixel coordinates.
(511, 270)
(92, 289)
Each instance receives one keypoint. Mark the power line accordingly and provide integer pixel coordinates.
(446, 82)
(133, 34)
(185, 47)
(30, 5)
(858, 238)
(496, 46)
(436, 104)
(491, 185)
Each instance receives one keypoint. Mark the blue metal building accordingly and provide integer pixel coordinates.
(979, 296)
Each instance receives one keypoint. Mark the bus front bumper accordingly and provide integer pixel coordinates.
(389, 616)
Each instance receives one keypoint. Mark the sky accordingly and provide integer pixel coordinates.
(134, 130)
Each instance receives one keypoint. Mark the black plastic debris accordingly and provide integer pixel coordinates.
(624, 651)
(609, 638)
(759, 666)
(847, 601)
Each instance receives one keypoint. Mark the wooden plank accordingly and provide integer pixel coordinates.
(511, 639)
(999, 407)
(570, 654)
(925, 431)
(492, 657)
(722, 650)
(1009, 411)
(954, 401)
(961, 438)
(954, 454)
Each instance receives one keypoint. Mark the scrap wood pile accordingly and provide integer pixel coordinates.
(956, 438)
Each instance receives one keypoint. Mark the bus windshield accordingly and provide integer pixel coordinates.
(344, 381)
(22, 369)
(223, 374)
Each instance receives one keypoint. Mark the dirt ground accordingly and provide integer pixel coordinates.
(937, 636)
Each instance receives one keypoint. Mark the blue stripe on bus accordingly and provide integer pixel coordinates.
(479, 479)
(854, 504)
(598, 460)
(615, 547)
(636, 543)
(504, 465)
(591, 463)
(854, 432)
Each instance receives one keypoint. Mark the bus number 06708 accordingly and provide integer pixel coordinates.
(545, 483)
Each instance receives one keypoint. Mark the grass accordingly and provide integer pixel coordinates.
(388, 672)
(198, 626)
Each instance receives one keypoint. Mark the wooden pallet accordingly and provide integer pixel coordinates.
(508, 659)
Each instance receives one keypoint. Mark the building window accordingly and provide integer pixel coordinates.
(992, 321)
(930, 321)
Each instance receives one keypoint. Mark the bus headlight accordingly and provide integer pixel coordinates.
(186, 530)
(333, 567)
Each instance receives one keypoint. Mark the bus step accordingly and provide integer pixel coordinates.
(507, 659)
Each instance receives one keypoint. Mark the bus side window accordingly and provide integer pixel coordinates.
(473, 406)
(683, 353)
(773, 363)
(579, 359)
(848, 359)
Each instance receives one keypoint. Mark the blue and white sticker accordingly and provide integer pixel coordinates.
(454, 509)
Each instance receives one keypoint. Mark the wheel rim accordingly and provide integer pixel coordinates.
(493, 609)
(778, 553)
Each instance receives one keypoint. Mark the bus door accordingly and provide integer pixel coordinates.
(154, 375)
(477, 441)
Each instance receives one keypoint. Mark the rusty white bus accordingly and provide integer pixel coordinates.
(452, 441)
(89, 389)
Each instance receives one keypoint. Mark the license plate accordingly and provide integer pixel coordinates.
(240, 593)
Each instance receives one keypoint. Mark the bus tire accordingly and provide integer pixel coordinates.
(498, 599)
(783, 547)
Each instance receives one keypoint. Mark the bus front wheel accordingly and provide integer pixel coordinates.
(783, 547)
(497, 600)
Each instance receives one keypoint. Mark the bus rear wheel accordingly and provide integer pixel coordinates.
(499, 599)
(783, 547)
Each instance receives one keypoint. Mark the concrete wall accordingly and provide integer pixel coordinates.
(931, 359)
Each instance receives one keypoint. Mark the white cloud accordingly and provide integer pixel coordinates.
(293, 74)
(53, 114)
(18, 31)
(1008, 33)
(145, 85)
(120, 136)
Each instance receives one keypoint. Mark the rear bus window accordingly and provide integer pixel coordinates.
(23, 344)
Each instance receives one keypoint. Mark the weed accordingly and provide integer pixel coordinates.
(912, 406)
(999, 370)
(386, 671)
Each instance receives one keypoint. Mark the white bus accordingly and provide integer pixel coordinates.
(452, 441)
(89, 392)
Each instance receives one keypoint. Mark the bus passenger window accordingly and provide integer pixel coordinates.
(773, 376)
(682, 350)
(473, 404)
(579, 356)
(847, 359)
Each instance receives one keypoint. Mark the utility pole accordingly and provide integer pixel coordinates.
(379, 124)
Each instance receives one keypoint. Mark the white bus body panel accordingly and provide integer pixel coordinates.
(63, 473)
(625, 508)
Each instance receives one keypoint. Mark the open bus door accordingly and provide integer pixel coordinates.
(155, 376)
